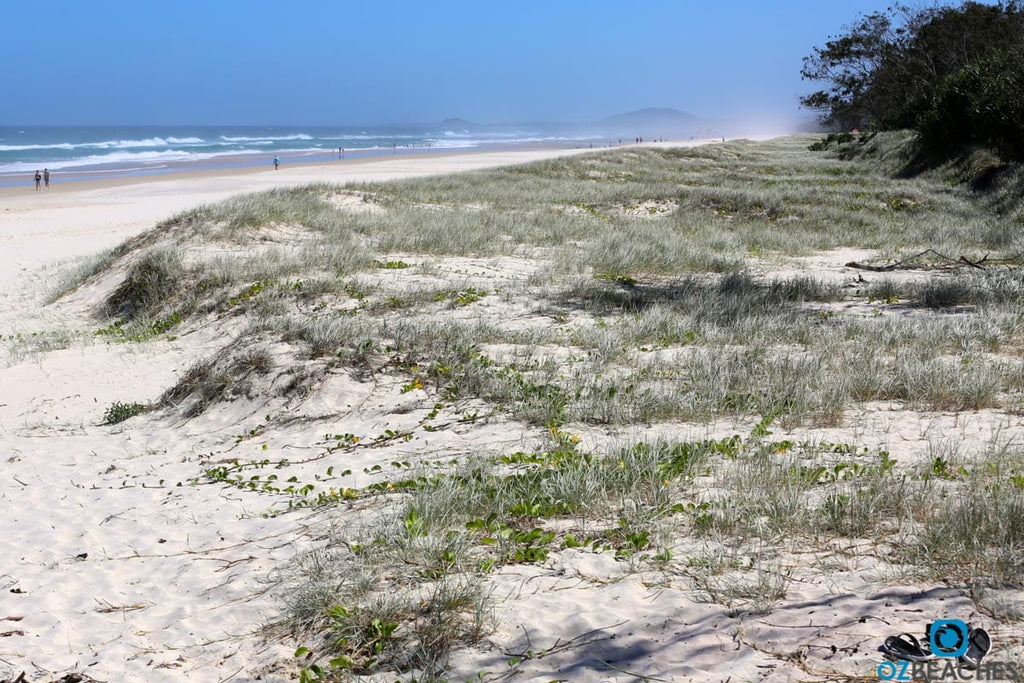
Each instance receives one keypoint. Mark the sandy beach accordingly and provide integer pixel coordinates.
(159, 548)
(83, 217)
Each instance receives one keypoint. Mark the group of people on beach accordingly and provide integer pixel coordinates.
(45, 177)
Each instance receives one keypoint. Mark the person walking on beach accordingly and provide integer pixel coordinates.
(277, 162)
(46, 178)
(38, 178)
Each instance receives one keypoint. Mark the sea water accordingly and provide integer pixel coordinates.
(82, 152)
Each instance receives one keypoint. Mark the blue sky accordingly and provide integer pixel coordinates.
(356, 62)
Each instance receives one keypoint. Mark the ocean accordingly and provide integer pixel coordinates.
(87, 152)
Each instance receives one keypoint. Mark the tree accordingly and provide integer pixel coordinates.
(980, 103)
(921, 68)
(849, 63)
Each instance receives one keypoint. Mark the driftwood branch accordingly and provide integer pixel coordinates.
(963, 260)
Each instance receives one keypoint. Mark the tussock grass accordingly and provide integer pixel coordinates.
(239, 218)
(227, 375)
(72, 275)
(976, 537)
(22, 345)
(146, 285)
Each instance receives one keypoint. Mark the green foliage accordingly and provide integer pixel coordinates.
(119, 412)
(392, 265)
(249, 293)
(624, 280)
(237, 474)
(980, 103)
(140, 330)
(954, 73)
(462, 297)
(830, 140)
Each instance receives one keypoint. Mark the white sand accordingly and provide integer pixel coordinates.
(73, 219)
(112, 569)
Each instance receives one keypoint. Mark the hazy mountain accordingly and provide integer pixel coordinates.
(653, 122)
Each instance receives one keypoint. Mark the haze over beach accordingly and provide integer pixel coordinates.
(234, 88)
(238, 85)
(477, 341)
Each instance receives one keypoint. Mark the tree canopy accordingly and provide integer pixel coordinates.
(953, 73)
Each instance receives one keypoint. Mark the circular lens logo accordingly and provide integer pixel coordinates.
(948, 638)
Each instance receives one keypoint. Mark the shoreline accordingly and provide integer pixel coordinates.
(77, 218)
(246, 164)
(256, 164)
(251, 159)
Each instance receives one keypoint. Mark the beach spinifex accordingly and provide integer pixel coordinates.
(150, 281)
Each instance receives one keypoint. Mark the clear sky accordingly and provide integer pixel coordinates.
(372, 62)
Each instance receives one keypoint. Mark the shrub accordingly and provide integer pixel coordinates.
(119, 412)
(979, 104)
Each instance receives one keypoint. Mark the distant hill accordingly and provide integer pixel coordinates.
(653, 121)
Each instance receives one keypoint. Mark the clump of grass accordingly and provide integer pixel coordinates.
(939, 384)
(746, 590)
(226, 375)
(238, 217)
(944, 294)
(24, 344)
(740, 204)
(976, 536)
(119, 412)
(152, 280)
(325, 336)
(886, 290)
(380, 628)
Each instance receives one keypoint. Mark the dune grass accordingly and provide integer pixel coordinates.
(598, 294)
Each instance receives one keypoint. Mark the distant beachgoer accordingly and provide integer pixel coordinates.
(46, 178)
(38, 178)
(277, 162)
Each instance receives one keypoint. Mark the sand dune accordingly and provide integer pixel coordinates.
(124, 560)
